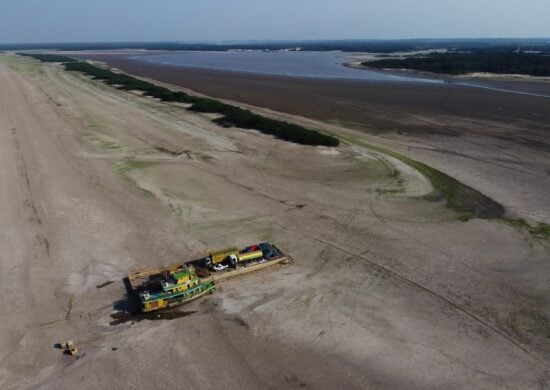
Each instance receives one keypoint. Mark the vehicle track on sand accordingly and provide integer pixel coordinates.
(28, 195)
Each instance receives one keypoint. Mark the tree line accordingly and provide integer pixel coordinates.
(509, 45)
(49, 57)
(462, 63)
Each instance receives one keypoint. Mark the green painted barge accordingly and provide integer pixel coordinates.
(157, 289)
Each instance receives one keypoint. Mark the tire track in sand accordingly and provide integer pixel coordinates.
(28, 201)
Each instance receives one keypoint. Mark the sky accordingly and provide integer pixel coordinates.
(27, 21)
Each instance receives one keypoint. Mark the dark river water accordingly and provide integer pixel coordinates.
(327, 65)
(321, 65)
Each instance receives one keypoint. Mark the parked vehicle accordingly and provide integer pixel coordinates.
(219, 267)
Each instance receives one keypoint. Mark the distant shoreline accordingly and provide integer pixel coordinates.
(475, 64)
(357, 64)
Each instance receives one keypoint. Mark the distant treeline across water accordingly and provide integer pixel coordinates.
(352, 45)
(533, 64)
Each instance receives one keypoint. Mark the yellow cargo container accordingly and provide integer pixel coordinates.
(250, 255)
(219, 256)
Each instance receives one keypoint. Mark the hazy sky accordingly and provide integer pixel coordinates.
(188, 20)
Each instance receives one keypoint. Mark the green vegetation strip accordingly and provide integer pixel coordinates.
(540, 230)
(462, 63)
(49, 57)
(467, 201)
(232, 116)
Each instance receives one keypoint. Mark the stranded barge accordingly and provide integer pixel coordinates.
(181, 283)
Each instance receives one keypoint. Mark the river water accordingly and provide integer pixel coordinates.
(326, 65)
(322, 65)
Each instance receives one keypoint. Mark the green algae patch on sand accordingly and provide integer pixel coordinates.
(125, 169)
(537, 230)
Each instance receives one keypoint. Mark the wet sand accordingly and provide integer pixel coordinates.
(369, 105)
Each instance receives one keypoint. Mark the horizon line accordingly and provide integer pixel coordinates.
(271, 40)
